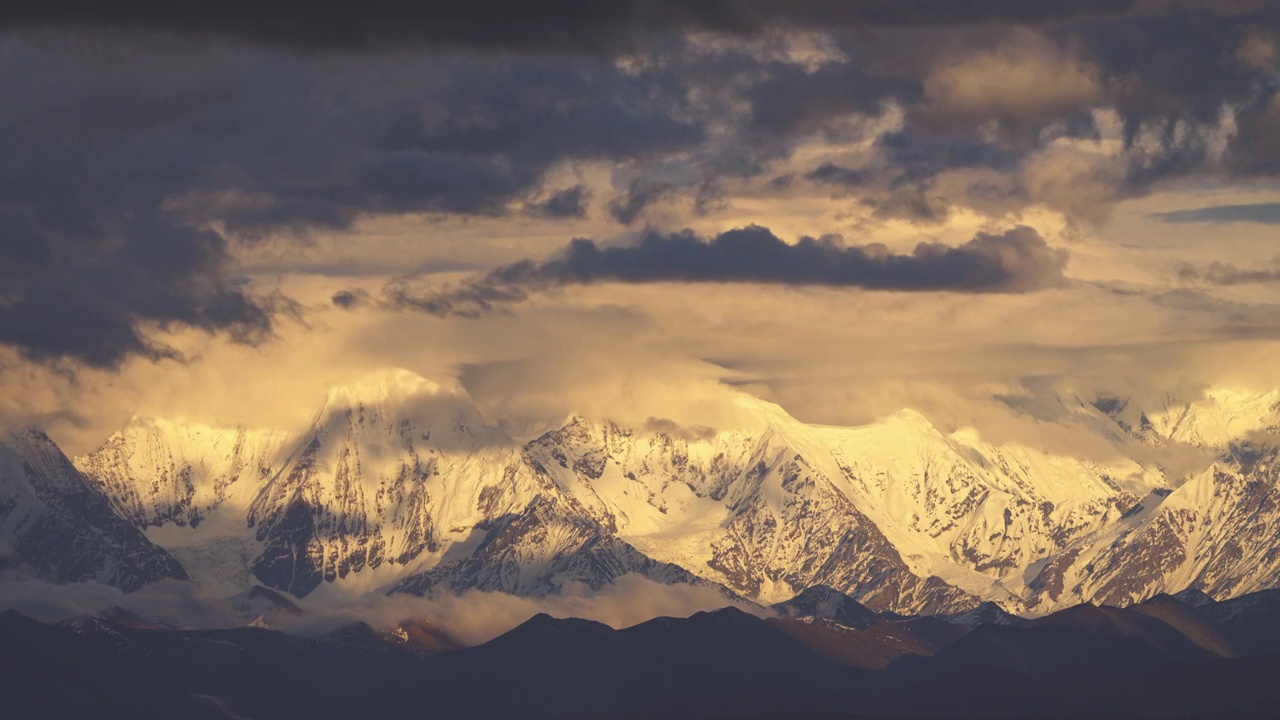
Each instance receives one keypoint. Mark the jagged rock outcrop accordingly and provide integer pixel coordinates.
(401, 484)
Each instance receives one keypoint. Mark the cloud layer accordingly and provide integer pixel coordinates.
(471, 618)
(1263, 213)
(1018, 260)
(509, 24)
(185, 182)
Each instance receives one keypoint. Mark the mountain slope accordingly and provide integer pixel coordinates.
(157, 472)
(403, 481)
(55, 525)
(749, 510)
(1214, 533)
(395, 471)
(537, 552)
(820, 602)
(401, 484)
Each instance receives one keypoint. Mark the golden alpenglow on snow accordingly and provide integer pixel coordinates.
(648, 359)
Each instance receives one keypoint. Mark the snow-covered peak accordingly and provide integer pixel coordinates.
(387, 386)
(53, 522)
(1211, 421)
(1220, 417)
(158, 471)
(402, 477)
(30, 451)
(397, 402)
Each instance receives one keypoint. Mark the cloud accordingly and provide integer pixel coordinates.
(192, 178)
(674, 429)
(1023, 84)
(1255, 147)
(127, 215)
(171, 601)
(642, 193)
(472, 617)
(509, 24)
(475, 616)
(1222, 273)
(349, 299)
(86, 288)
(833, 174)
(1260, 51)
(1262, 213)
(1018, 260)
(568, 203)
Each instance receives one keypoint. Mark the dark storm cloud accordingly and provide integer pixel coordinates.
(793, 99)
(914, 202)
(574, 25)
(920, 155)
(115, 180)
(1016, 261)
(64, 297)
(832, 174)
(1173, 74)
(1264, 213)
(563, 204)
(1255, 148)
(1179, 65)
(349, 299)
(642, 193)
(129, 155)
(1169, 71)
(494, 293)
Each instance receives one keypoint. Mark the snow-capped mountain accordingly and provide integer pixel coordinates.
(820, 602)
(395, 471)
(1207, 530)
(400, 484)
(1216, 533)
(547, 545)
(402, 480)
(752, 511)
(157, 472)
(54, 524)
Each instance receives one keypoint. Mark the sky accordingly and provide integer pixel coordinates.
(633, 210)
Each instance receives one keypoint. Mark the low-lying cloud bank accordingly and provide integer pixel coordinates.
(503, 24)
(471, 617)
(1261, 213)
(1018, 260)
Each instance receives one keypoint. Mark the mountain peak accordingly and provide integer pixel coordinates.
(1195, 597)
(387, 385)
(397, 401)
(542, 626)
(823, 602)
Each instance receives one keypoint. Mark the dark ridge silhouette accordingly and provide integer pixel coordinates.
(1250, 622)
(1160, 658)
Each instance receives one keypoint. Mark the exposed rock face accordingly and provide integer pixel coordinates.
(55, 525)
(540, 550)
(394, 471)
(766, 522)
(795, 531)
(157, 472)
(400, 484)
(1215, 533)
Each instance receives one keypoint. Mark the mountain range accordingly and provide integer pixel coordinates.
(1184, 656)
(400, 485)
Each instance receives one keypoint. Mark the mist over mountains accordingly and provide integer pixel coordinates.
(733, 359)
(400, 486)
